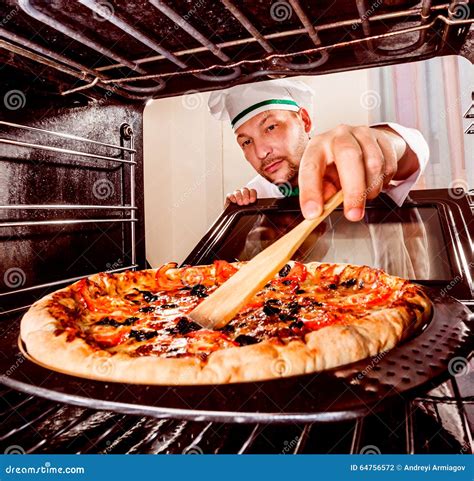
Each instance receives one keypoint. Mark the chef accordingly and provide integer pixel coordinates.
(273, 125)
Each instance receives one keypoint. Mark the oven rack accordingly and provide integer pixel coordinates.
(130, 210)
(423, 425)
(445, 22)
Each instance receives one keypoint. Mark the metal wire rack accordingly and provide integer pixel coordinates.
(301, 43)
(125, 158)
(430, 424)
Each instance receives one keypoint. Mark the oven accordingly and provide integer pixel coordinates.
(75, 80)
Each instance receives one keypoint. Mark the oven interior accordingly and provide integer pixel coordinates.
(71, 198)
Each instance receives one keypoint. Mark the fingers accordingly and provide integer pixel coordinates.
(243, 196)
(373, 159)
(310, 179)
(349, 161)
(390, 155)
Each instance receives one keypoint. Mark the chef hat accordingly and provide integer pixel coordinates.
(242, 102)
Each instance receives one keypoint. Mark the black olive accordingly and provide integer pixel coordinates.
(316, 303)
(349, 283)
(244, 340)
(228, 328)
(199, 290)
(332, 286)
(297, 325)
(147, 309)
(273, 302)
(185, 288)
(300, 291)
(184, 326)
(270, 310)
(168, 306)
(294, 307)
(106, 321)
(267, 285)
(285, 270)
(143, 335)
(148, 296)
(286, 317)
(129, 321)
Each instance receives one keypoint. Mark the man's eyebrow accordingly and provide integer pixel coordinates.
(241, 135)
(264, 119)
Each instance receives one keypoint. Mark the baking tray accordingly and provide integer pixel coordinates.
(338, 394)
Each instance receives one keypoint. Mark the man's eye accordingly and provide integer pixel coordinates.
(245, 143)
(271, 127)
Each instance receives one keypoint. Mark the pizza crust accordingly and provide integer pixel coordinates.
(329, 347)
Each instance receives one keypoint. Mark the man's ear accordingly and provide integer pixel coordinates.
(303, 113)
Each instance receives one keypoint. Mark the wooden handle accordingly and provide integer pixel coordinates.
(223, 304)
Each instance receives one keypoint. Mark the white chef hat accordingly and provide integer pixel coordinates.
(242, 102)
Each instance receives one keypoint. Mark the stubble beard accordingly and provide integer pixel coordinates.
(293, 163)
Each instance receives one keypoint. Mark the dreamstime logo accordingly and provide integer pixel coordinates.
(371, 366)
(370, 11)
(115, 265)
(197, 183)
(375, 183)
(103, 189)
(461, 11)
(15, 366)
(190, 12)
(9, 16)
(449, 286)
(193, 450)
(370, 99)
(457, 188)
(285, 188)
(105, 11)
(14, 100)
(192, 100)
(102, 366)
(281, 11)
(281, 367)
(192, 277)
(458, 366)
(14, 449)
(289, 446)
(14, 277)
(370, 449)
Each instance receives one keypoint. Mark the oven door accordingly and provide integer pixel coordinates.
(427, 240)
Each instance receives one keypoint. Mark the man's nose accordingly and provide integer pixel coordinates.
(263, 150)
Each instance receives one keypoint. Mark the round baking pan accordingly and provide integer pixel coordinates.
(349, 391)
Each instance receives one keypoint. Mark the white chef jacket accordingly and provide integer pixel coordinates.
(397, 190)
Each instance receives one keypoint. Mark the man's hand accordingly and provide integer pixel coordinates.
(242, 196)
(359, 160)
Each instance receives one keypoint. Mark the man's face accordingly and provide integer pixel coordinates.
(274, 141)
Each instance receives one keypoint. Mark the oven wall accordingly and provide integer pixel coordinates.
(37, 254)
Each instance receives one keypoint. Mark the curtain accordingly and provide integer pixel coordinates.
(431, 96)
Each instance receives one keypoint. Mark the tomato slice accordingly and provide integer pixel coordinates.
(323, 319)
(163, 281)
(298, 272)
(285, 284)
(84, 287)
(224, 270)
(206, 340)
(110, 338)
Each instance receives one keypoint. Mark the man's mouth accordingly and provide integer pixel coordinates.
(274, 166)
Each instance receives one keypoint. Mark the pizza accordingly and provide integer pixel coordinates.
(133, 326)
